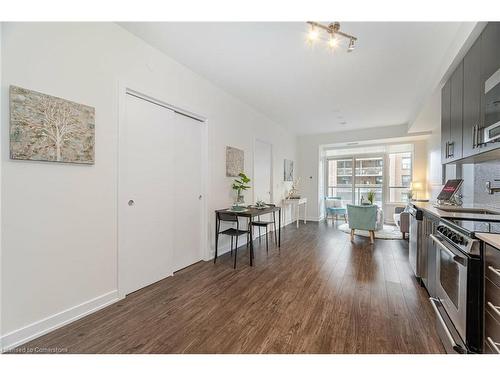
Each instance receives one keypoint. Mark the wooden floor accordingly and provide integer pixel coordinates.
(321, 294)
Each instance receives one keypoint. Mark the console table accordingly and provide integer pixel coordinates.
(295, 203)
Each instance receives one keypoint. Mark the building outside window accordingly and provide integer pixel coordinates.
(388, 174)
(400, 176)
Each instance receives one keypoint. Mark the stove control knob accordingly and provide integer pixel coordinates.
(454, 238)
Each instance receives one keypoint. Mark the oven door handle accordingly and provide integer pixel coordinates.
(455, 346)
(455, 257)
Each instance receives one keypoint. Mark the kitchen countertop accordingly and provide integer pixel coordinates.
(491, 238)
(435, 210)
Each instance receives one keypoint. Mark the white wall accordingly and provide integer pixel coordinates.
(309, 159)
(59, 220)
(1, 183)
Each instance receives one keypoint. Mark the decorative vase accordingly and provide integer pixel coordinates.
(240, 200)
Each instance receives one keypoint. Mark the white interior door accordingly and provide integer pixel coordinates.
(263, 171)
(146, 155)
(160, 185)
(187, 191)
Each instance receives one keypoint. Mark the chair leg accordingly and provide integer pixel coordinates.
(231, 245)
(372, 236)
(259, 235)
(235, 256)
(248, 239)
(352, 234)
(236, 242)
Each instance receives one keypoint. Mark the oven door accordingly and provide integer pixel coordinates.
(451, 282)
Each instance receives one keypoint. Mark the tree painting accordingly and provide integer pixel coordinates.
(47, 128)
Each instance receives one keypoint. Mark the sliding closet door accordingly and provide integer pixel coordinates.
(187, 180)
(146, 188)
(160, 193)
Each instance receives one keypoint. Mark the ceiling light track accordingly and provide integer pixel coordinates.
(333, 32)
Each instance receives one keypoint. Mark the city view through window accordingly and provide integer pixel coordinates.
(351, 178)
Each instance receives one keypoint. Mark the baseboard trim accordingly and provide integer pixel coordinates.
(46, 325)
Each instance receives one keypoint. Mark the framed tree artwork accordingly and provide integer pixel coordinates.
(48, 128)
(235, 161)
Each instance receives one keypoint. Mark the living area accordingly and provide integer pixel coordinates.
(367, 188)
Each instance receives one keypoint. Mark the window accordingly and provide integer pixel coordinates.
(351, 184)
(406, 163)
(400, 176)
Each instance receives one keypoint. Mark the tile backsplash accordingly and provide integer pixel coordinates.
(487, 171)
(475, 176)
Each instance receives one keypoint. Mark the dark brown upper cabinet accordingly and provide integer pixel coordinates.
(445, 121)
(472, 100)
(456, 114)
(463, 100)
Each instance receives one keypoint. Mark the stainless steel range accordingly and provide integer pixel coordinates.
(458, 299)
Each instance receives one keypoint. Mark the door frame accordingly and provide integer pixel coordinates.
(155, 97)
(271, 187)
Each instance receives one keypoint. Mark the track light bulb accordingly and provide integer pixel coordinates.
(313, 34)
(332, 41)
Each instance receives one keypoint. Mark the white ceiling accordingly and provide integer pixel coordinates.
(270, 66)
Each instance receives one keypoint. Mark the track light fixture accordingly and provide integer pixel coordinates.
(334, 35)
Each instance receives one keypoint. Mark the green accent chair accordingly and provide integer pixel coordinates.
(333, 207)
(363, 218)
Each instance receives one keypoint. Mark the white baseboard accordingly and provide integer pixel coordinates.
(41, 327)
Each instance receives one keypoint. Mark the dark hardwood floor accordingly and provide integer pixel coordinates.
(321, 294)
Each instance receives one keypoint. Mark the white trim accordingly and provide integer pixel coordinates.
(154, 96)
(50, 323)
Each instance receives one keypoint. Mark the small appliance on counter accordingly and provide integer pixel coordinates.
(448, 196)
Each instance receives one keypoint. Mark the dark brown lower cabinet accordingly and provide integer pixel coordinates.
(491, 300)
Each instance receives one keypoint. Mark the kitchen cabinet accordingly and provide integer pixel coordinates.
(472, 100)
(456, 114)
(490, 53)
(463, 99)
(451, 117)
(491, 299)
(445, 120)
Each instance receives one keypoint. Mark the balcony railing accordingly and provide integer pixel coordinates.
(397, 194)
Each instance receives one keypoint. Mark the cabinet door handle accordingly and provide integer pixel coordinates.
(451, 144)
(494, 345)
(446, 150)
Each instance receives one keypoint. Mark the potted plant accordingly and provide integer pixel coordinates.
(371, 196)
(240, 185)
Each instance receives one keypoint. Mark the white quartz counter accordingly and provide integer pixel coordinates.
(440, 211)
